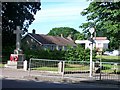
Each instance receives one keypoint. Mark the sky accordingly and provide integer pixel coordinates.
(59, 13)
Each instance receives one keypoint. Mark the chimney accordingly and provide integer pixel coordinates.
(33, 31)
(70, 37)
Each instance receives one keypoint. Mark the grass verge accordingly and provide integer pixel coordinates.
(1, 65)
(109, 58)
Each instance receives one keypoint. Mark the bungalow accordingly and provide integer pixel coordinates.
(99, 43)
(40, 41)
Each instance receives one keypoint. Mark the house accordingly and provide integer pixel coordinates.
(99, 43)
(40, 41)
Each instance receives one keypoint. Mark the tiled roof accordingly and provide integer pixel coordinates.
(46, 39)
(40, 38)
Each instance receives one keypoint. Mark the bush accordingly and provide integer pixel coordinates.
(6, 51)
(78, 54)
(72, 54)
(44, 54)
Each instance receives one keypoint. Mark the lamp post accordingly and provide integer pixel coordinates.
(91, 30)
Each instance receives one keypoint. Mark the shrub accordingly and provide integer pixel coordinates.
(78, 54)
(44, 54)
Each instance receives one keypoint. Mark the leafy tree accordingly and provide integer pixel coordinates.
(105, 18)
(69, 54)
(66, 31)
(78, 54)
(16, 14)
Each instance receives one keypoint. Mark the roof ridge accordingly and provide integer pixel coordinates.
(49, 39)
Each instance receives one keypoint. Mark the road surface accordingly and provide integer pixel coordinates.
(9, 83)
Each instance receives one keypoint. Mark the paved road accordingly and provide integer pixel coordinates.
(12, 78)
(8, 83)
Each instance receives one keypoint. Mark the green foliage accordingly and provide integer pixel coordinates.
(72, 54)
(6, 53)
(44, 54)
(1, 65)
(78, 54)
(109, 58)
(105, 17)
(16, 14)
(66, 31)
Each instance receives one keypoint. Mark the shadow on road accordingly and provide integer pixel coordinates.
(9, 83)
(110, 82)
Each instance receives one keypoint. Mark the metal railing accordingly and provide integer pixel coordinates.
(76, 69)
(106, 71)
(43, 66)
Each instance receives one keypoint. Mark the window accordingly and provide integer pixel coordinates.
(60, 48)
(99, 44)
(52, 47)
(45, 47)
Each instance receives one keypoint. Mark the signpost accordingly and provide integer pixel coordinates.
(91, 30)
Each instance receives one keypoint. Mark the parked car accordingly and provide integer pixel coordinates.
(116, 52)
(107, 53)
(112, 53)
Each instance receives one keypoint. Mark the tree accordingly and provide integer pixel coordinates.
(66, 31)
(105, 17)
(44, 54)
(78, 54)
(16, 14)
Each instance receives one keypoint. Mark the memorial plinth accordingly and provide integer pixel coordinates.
(16, 59)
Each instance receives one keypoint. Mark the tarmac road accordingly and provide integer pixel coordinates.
(12, 78)
(8, 83)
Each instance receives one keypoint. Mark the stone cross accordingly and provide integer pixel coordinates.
(18, 37)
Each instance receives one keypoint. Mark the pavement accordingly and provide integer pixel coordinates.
(20, 74)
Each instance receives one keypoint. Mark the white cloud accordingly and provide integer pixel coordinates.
(65, 11)
(60, 11)
(59, 14)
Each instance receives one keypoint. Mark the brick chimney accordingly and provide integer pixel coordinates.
(33, 31)
(70, 37)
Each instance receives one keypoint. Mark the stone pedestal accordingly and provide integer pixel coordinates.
(16, 61)
(11, 64)
(21, 57)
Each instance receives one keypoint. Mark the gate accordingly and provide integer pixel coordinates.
(106, 71)
(38, 67)
(74, 69)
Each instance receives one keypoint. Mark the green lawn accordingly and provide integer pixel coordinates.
(1, 65)
(110, 71)
(107, 68)
(76, 67)
(56, 69)
(109, 58)
(46, 68)
(67, 68)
